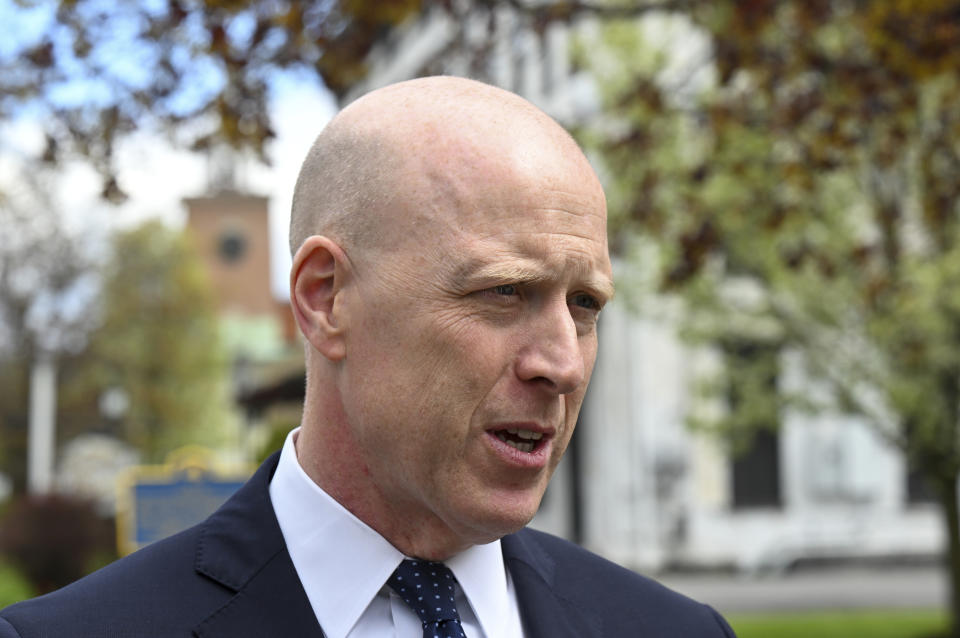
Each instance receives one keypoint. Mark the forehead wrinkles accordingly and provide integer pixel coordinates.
(581, 256)
(577, 221)
(521, 262)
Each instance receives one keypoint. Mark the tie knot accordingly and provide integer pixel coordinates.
(428, 588)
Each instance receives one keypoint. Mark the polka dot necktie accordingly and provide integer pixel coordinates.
(428, 589)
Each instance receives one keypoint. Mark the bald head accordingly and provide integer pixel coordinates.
(366, 156)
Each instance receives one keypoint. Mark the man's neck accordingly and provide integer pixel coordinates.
(335, 466)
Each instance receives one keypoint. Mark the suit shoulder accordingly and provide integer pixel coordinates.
(628, 601)
(570, 558)
(168, 587)
(137, 590)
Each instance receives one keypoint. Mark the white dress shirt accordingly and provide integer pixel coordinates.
(344, 564)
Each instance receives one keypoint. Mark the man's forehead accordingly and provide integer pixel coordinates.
(470, 163)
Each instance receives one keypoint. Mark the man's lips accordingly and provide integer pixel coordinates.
(525, 437)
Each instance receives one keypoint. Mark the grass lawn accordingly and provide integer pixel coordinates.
(841, 624)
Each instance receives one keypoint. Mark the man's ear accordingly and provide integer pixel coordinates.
(320, 270)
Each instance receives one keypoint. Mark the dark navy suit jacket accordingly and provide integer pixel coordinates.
(231, 577)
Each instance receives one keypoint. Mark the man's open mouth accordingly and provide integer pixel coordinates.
(523, 440)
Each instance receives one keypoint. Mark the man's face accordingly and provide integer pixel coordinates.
(472, 340)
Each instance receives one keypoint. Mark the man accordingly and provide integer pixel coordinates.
(450, 265)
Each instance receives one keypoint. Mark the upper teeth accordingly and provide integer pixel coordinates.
(526, 434)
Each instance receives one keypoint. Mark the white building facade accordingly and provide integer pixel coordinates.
(820, 487)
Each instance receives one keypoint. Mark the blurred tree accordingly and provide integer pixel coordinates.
(809, 201)
(157, 347)
(96, 69)
(139, 329)
(201, 70)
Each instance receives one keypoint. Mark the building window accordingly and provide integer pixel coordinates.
(231, 246)
(756, 473)
(753, 368)
(919, 490)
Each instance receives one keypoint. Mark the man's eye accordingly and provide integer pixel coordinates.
(505, 289)
(584, 300)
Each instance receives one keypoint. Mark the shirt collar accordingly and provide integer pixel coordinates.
(343, 563)
(483, 579)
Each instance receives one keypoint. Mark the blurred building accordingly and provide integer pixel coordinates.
(230, 231)
(637, 485)
(813, 488)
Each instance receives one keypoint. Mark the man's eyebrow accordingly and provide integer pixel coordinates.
(519, 272)
(603, 286)
(478, 270)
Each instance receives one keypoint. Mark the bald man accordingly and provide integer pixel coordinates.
(450, 263)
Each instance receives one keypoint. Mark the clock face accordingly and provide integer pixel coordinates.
(231, 246)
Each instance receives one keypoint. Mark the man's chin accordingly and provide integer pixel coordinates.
(463, 535)
(496, 523)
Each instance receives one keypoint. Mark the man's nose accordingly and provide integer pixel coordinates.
(552, 352)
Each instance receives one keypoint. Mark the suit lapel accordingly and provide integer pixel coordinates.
(543, 609)
(242, 548)
(270, 604)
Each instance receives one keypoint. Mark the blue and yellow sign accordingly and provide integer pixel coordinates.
(156, 501)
